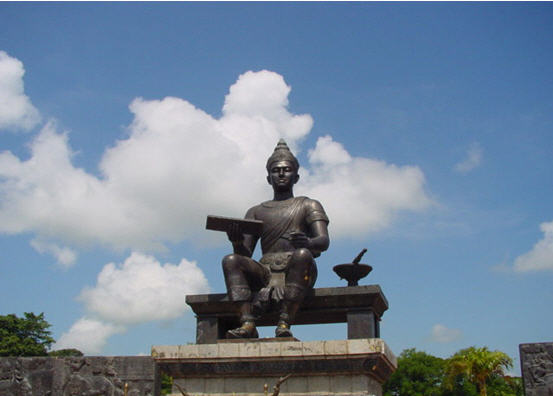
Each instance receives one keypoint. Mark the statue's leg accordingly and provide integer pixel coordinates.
(298, 279)
(242, 275)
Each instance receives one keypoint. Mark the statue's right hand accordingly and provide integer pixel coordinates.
(234, 234)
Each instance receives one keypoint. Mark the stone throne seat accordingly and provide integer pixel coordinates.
(361, 307)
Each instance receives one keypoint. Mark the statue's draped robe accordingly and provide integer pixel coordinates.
(281, 229)
(281, 218)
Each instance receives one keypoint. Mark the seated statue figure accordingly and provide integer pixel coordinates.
(294, 232)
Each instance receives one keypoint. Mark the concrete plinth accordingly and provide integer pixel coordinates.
(342, 367)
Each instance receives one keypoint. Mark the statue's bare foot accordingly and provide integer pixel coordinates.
(247, 330)
(283, 330)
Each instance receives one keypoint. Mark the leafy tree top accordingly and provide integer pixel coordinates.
(27, 336)
(418, 374)
(68, 352)
(479, 365)
(421, 374)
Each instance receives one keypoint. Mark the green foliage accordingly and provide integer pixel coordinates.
(459, 386)
(28, 336)
(505, 386)
(418, 374)
(166, 384)
(69, 352)
(469, 372)
(478, 365)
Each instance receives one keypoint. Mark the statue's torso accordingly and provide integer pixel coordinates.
(281, 218)
(272, 213)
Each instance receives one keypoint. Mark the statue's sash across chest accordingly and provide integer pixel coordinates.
(272, 214)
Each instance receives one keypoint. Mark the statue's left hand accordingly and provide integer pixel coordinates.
(234, 234)
(299, 240)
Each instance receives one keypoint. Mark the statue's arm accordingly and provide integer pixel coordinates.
(248, 245)
(241, 247)
(319, 240)
(242, 244)
(317, 220)
(316, 239)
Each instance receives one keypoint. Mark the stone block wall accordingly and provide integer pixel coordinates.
(106, 376)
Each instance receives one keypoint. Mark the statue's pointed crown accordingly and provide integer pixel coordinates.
(282, 153)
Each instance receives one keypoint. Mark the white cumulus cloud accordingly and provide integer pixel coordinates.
(179, 164)
(360, 194)
(540, 258)
(472, 160)
(141, 289)
(327, 153)
(444, 335)
(88, 336)
(16, 109)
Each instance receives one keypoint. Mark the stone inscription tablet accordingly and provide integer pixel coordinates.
(247, 226)
(536, 361)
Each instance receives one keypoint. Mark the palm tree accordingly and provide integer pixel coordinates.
(478, 365)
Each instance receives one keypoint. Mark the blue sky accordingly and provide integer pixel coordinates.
(426, 131)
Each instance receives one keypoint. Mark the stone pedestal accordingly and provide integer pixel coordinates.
(343, 367)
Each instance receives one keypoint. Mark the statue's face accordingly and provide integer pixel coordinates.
(282, 175)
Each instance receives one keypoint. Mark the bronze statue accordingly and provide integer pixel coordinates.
(294, 232)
